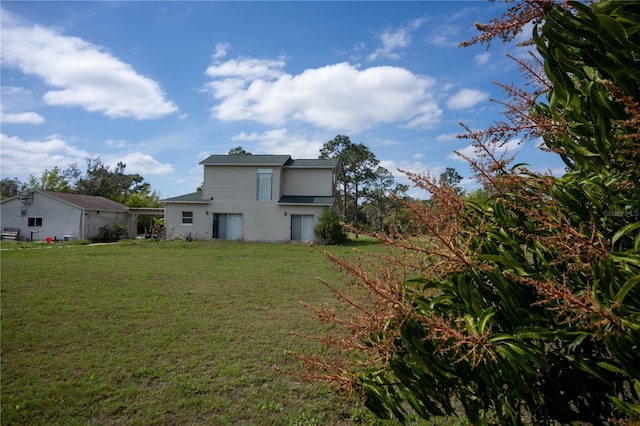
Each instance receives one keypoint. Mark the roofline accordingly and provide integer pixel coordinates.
(126, 209)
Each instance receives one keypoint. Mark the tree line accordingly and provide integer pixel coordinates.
(129, 189)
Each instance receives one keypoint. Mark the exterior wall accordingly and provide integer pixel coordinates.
(307, 181)
(316, 211)
(96, 219)
(58, 219)
(201, 227)
(234, 190)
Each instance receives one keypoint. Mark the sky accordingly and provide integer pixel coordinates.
(161, 85)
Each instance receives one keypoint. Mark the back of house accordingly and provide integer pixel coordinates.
(254, 198)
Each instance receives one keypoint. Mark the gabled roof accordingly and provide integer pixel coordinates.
(194, 197)
(315, 163)
(246, 160)
(89, 202)
(307, 200)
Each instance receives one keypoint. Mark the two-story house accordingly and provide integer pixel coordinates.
(255, 198)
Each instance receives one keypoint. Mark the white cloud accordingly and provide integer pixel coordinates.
(466, 98)
(394, 40)
(482, 58)
(338, 97)
(22, 158)
(21, 118)
(510, 147)
(221, 50)
(444, 35)
(142, 164)
(83, 74)
(279, 141)
(247, 68)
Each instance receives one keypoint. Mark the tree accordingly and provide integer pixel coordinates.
(381, 196)
(356, 169)
(238, 151)
(526, 308)
(451, 179)
(115, 185)
(51, 180)
(10, 187)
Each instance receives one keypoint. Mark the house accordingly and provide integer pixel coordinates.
(39, 215)
(254, 198)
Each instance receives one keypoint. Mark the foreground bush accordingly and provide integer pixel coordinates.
(524, 306)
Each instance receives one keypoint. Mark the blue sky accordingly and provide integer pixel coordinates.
(162, 85)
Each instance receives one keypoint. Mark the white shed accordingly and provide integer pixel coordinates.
(60, 216)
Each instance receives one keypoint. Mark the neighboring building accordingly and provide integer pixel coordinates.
(57, 215)
(254, 198)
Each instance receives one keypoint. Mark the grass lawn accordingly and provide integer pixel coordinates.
(162, 333)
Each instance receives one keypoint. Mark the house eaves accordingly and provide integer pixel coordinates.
(314, 163)
(307, 200)
(245, 160)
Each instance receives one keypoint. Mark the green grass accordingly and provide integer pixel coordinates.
(163, 333)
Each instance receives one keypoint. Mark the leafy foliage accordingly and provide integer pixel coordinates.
(113, 232)
(523, 304)
(329, 229)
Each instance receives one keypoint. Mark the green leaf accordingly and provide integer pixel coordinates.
(626, 287)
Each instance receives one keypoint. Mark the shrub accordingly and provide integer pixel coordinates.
(329, 229)
(113, 232)
(523, 306)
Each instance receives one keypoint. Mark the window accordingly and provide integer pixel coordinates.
(265, 178)
(187, 218)
(227, 226)
(35, 221)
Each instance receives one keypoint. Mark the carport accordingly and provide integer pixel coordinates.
(148, 226)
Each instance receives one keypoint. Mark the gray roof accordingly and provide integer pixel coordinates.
(246, 160)
(194, 197)
(89, 202)
(329, 163)
(307, 199)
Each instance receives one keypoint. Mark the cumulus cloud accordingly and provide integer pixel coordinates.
(393, 40)
(21, 118)
(83, 75)
(140, 163)
(22, 158)
(280, 141)
(466, 98)
(338, 97)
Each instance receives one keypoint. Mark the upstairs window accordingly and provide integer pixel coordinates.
(187, 218)
(34, 221)
(265, 179)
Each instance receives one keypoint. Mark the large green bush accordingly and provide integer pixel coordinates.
(329, 229)
(526, 305)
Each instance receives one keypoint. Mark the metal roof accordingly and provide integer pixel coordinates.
(194, 197)
(246, 160)
(90, 202)
(308, 200)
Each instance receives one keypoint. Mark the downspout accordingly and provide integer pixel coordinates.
(82, 224)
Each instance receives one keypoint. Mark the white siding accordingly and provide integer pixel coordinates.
(201, 227)
(303, 181)
(58, 218)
